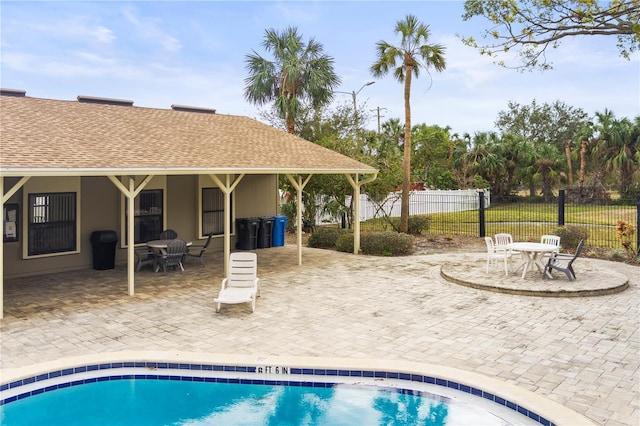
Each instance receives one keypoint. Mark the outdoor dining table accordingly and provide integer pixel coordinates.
(161, 244)
(531, 253)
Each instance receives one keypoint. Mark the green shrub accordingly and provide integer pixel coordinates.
(326, 237)
(571, 235)
(617, 255)
(344, 243)
(419, 223)
(386, 243)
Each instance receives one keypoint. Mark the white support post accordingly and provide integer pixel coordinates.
(5, 197)
(227, 188)
(130, 192)
(299, 186)
(2, 252)
(131, 237)
(356, 184)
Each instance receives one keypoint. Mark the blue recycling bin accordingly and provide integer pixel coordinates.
(279, 228)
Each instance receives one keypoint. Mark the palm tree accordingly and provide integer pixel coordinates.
(412, 56)
(548, 165)
(486, 160)
(619, 150)
(298, 72)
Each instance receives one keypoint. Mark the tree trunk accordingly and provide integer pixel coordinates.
(291, 124)
(406, 166)
(583, 162)
(567, 152)
(289, 119)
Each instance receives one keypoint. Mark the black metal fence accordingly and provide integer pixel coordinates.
(527, 220)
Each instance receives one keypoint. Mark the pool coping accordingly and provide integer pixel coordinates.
(271, 368)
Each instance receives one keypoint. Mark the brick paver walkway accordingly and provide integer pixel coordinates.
(582, 352)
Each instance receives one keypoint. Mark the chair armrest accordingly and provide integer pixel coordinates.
(563, 255)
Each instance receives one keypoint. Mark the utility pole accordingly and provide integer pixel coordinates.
(378, 110)
(354, 94)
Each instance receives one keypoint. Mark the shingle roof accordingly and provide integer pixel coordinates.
(43, 134)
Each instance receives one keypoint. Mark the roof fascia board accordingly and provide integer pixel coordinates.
(19, 172)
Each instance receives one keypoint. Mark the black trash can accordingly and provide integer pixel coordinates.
(247, 233)
(265, 229)
(104, 249)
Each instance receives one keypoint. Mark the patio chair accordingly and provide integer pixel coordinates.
(173, 256)
(168, 234)
(551, 239)
(563, 262)
(145, 256)
(494, 254)
(242, 285)
(197, 252)
(503, 240)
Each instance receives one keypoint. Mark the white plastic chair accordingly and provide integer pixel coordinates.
(551, 239)
(494, 254)
(242, 285)
(503, 240)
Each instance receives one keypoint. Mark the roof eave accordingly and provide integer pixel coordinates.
(23, 171)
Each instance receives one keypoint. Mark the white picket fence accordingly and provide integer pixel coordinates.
(420, 202)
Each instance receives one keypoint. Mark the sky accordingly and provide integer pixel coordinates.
(159, 53)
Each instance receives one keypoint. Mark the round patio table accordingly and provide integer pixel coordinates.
(531, 254)
(161, 244)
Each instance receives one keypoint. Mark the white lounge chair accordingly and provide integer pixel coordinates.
(494, 253)
(242, 285)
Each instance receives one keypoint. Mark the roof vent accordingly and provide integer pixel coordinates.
(186, 108)
(104, 101)
(13, 92)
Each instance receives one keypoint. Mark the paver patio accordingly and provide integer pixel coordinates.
(582, 352)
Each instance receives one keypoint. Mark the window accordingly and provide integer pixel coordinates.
(52, 223)
(213, 211)
(148, 219)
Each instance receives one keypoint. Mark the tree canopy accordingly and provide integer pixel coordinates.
(298, 71)
(532, 26)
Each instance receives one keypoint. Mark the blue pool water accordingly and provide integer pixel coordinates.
(167, 402)
(167, 393)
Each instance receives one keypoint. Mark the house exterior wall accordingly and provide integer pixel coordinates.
(102, 208)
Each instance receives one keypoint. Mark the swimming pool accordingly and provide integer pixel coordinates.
(405, 384)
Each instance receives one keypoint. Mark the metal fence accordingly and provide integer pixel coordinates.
(476, 213)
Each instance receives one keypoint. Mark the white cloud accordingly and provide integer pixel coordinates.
(72, 28)
(150, 29)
